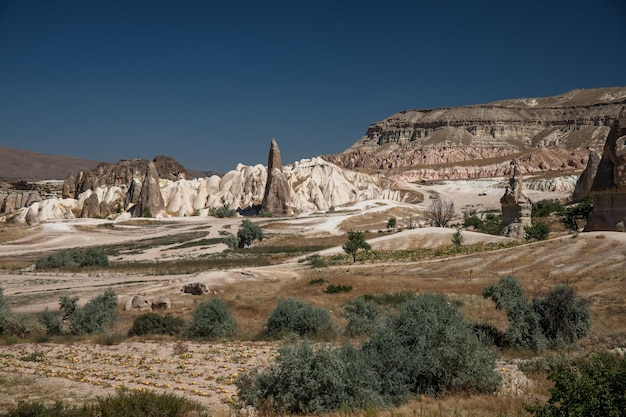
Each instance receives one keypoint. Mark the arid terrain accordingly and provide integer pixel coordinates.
(79, 369)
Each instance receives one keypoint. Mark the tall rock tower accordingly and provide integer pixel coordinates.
(516, 207)
(609, 185)
(150, 201)
(277, 189)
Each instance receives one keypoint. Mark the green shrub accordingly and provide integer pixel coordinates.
(557, 320)
(143, 403)
(363, 315)
(337, 288)
(457, 239)
(544, 208)
(212, 320)
(73, 258)
(248, 232)
(316, 261)
(594, 387)
(5, 312)
(51, 321)
(524, 323)
(298, 317)
(95, 317)
(222, 212)
(537, 231)
(316, 281)
(231, 241)
(152, 323)
(308, 380)
(427, 347)
(564, 317)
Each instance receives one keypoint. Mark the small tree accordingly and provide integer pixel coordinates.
(579, 212)
(440, 212)
(356, 241)
(248, 232)
(457, 238)
(391, 223)
(95, 317)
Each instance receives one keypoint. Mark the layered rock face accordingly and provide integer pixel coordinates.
(608, 188)
(277, 194)
(553, 133)
(516, 207)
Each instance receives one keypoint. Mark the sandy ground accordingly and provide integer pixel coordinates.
(206, 372)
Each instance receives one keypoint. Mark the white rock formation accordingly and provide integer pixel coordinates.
(316, 185)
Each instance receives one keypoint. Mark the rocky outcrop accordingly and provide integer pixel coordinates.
(195, 288)
(609, 184)
(13, 200)
(150, 199)
(168, 168)
(516, 207)
(277, 196)
(479, 138)
(585, 181)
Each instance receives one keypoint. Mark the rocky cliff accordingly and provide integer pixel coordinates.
(543, 134)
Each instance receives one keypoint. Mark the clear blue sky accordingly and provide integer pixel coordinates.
(210, 83)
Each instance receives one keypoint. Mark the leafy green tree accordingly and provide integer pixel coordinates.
(356, 240)
(152, 323)
(391, 223)
(577, 213)
(212, 320)
(248, 232)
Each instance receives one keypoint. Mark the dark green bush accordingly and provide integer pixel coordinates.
(537, 231)
(544, 208)
(427, 347)
(5, 312)
(123, 404)
(222, 212)
(297, 317)
(212, 320)
(363, 315)
(152, 323)
(51, 321)
(557, 320)
(594, 387)
(248, 232)
(564, 317)
(95, 317)
(577, 213)
(337, 288)
(308, 380)
(73, 258)
(524, 323)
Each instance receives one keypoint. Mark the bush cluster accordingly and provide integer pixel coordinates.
(559, 319)
(297, 317)
(425, 347)
(211, 320)
(247, 233)
(125, 403)
(94, 317)
(73, 258)
(490, 224)
(592, 387)
(222, 212)
(152, 323)
(537, 231)
(363, 316)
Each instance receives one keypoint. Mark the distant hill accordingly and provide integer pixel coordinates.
(18, 164)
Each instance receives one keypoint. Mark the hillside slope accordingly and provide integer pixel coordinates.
(26, 165)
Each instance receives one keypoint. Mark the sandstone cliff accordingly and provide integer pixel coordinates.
(553, 133)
